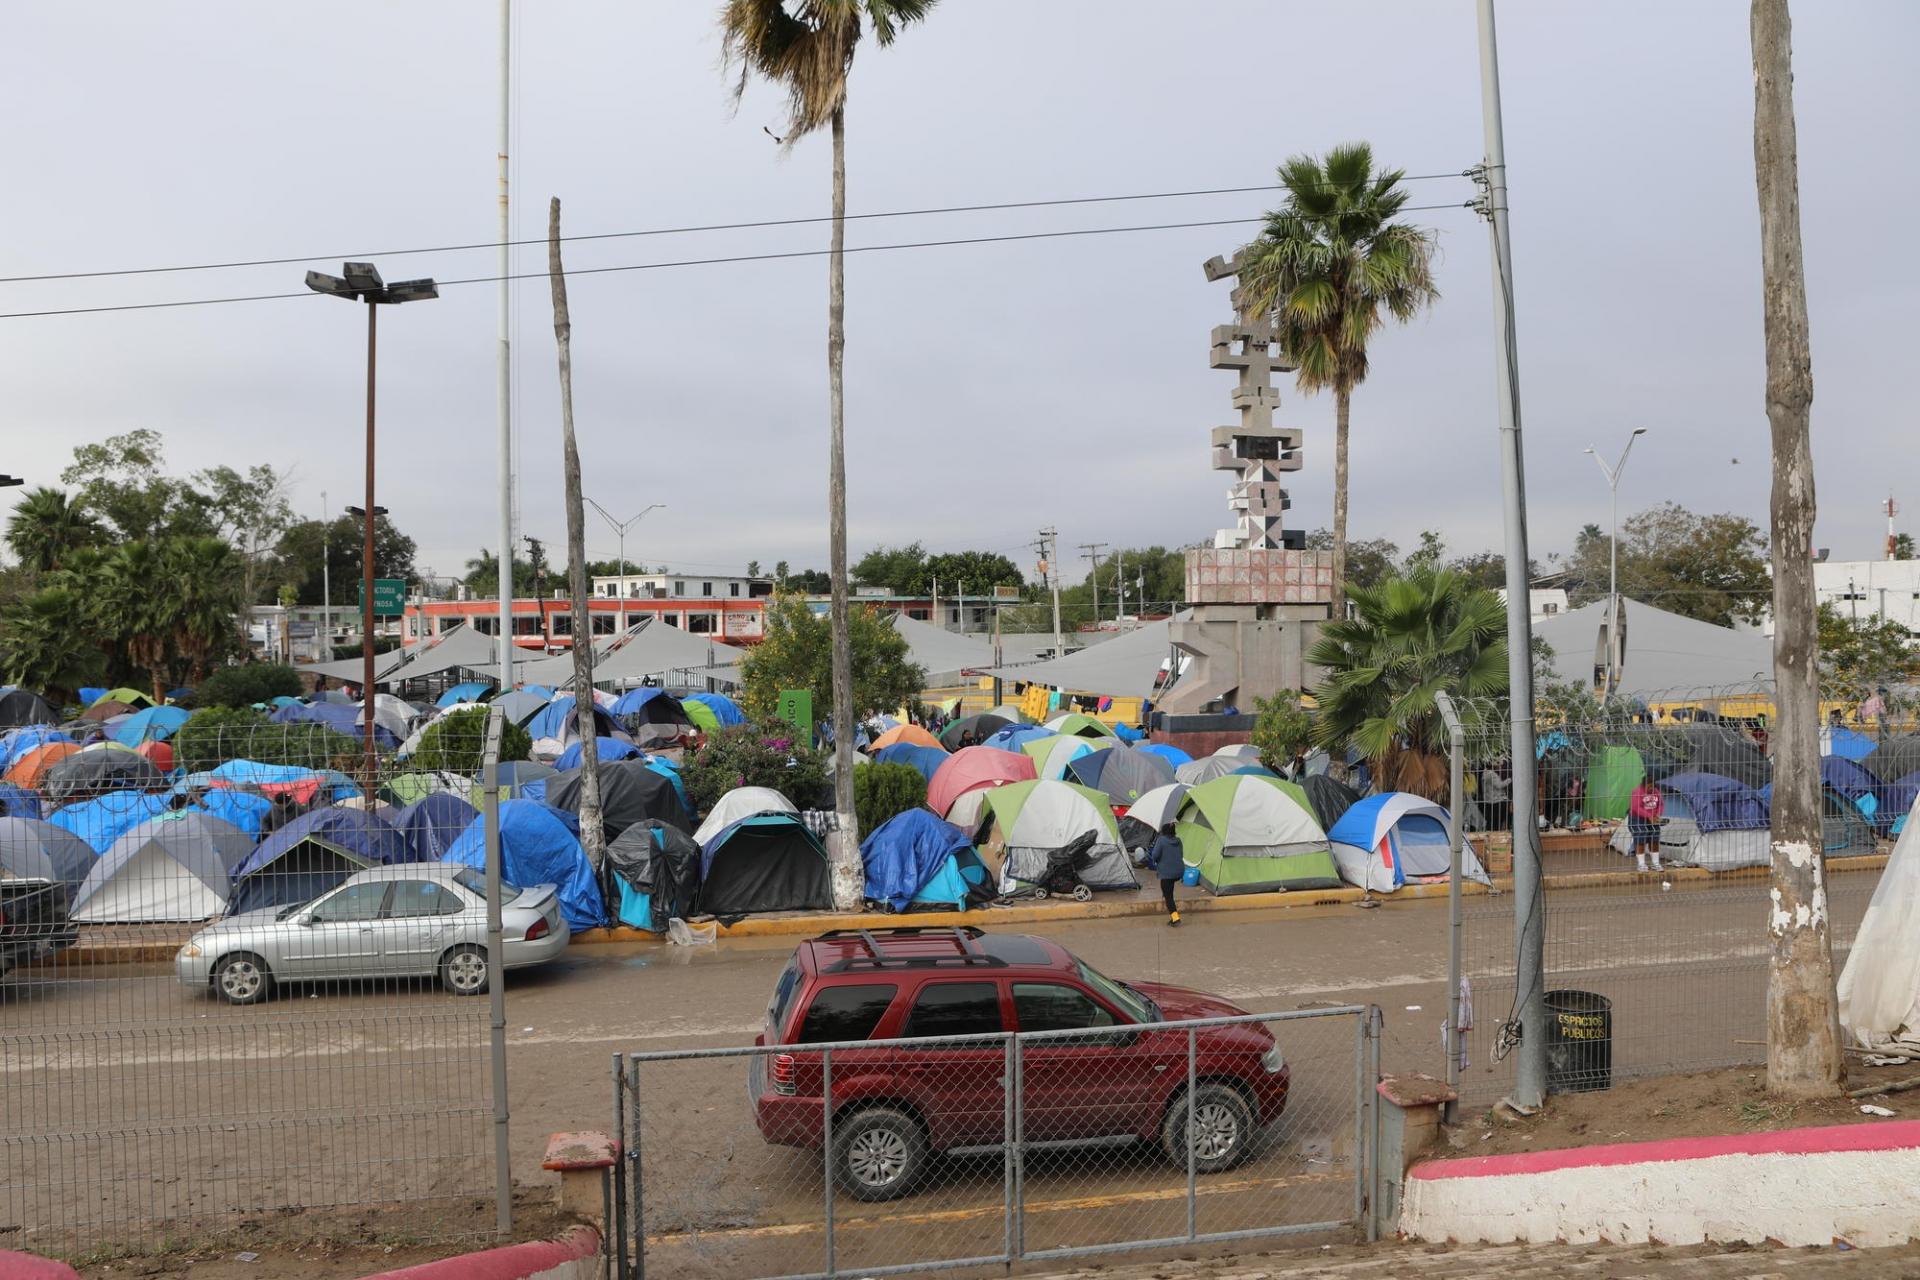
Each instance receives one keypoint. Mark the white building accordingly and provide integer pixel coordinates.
(1887, 589)
(1542, 602)
(681, 586)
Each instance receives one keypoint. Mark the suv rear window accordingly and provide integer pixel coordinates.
(782, 996)
(845, 1013)
(955, 1009)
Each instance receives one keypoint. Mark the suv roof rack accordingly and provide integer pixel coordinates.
(877, 957)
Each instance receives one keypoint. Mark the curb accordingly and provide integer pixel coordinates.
(560, 1257)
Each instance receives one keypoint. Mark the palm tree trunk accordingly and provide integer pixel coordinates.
(846, 844)
(1342, 405)
(1803, 1032)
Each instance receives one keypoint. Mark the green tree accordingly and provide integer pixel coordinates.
(1409, 639)
(250, 512)
(45, 646)
(753, 568)
(46, 526)
(136, 613)
(458, 743)
(1281, 730)
(206, 579)
(1903, 546)
(246, 684)
(780, 575)
(219, 734)
(1713, 567)
(1328, 268)
(797, 653)
(483, 575)
(1370, 561)
(902, 570)
(756, 755)
(121, 482)
(882, 791)
(1862, 653)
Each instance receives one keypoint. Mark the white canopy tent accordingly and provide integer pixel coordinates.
(1662, 651)
(939, 651)
(1124, 667)
(462, 647)
(651, 649)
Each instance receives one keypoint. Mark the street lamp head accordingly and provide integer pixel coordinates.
(1589, 449)
(410, 291)
(364, 277)
(8, 482)
(1639, 431)
(362, 511)
(321, 282)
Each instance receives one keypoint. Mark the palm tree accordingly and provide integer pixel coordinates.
(135, 608)
(207, 577)
(1409, 638)
(39, 647)
(806, 48)
(45, 526)
(1328, 263)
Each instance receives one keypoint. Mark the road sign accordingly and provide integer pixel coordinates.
(796, 708)
(389, 596)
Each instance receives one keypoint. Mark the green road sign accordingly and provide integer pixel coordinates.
(389, 596)
(796, 708)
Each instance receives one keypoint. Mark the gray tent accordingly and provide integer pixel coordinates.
(1662, 651)
(94, 770)
(1207, 768)
(1123, 773)
(174, 867)
(630, 793)
(462, 648)
(30, 847)
(1123, 667)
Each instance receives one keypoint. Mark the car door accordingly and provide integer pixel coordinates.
(339, 937)
(958, 1086)
(422, 920)
(1082, 1086)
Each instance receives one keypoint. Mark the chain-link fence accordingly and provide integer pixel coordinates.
(1654, 850)
(963, 1151)
(242, 979)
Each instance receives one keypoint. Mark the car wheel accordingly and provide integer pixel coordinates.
(463, 971)
(242, 979)
(1222, 1129)
(879, 1153)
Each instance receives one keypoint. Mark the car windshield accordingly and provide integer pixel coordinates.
(475, 882)
(1129, 1001)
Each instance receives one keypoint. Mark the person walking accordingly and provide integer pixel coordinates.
(1644, 808)
(1169, 860)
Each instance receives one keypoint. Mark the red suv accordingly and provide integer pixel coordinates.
(893, 1107)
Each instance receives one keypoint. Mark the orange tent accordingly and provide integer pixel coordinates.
(911, 734)
(161, 753)
(30, 770)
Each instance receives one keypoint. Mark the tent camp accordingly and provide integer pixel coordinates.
(170, 868)
(630, 793)
(538, 845)
(974, 769)
(1248, 834)
(432, 823)
(1143, 820)
(914, 861)
(1383, 841)
(1723, 822)
(1026, 829)
(766, 861)
(741, 802)
(654, 717)
(23, 707)
(651, 875)
(925, 760)
(1124, 773)
(1879, 989)
(315, 852)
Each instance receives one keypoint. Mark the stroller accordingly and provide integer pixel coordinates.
(1062, 875)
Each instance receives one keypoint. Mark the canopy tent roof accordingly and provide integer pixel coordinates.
(1664, 651)
(939, 651)
(352, 668)
(462, 647)
(652, 649)
(1123, 667)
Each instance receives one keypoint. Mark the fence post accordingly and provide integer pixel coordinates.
(1375, 1034)
(1006, 1151)
(1019, 1154)
(1360, 1213)
(616, 1220)
(496, 977)
(1193, 1196)
(1457, 817)
(826, 1144)
(636, 1177)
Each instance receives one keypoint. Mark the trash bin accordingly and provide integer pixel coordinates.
(1579, 1042)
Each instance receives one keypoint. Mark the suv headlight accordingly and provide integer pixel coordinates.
(1273, 1061)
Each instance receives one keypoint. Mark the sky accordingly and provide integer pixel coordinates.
(991, 388)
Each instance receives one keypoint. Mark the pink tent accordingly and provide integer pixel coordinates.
(975, 769)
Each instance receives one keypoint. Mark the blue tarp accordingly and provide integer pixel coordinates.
(539, 845)
(1863, 789)
(1168, 752)
(19, 742)
(90, 694)
(366, 836)
(1127, 733)
(340, 719)
(1847, 744)
(106, 818)
(925, 759)
(909, 852)
(610, 749)
(16, 803)
(724, 709)
(432, 823)
(155, 724)
(252, 773)
(244, 810)
(1720, 804)
(471, 691)
(1010, 738)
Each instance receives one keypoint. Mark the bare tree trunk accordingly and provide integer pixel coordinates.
(1342, 407)
(593, 838)
(1803, 1032)
(846, 843)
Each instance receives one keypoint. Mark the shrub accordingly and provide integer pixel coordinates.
(245, 685)
(882, 790)
(748, 755)
(1281, 729)
(218, 734)
(458, 743)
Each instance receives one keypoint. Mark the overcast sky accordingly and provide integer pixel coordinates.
(991, 388)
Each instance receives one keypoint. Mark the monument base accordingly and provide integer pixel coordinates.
(1256, 612)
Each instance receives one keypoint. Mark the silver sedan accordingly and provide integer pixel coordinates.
(422, 919)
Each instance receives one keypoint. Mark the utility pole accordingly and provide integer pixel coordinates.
(1049, 543)
(503, 355)
(326, 579)
(1530, 1010)
(996, 654)
(1120, 587)
(1090, 552)
(1615, 650)
(1892, 510)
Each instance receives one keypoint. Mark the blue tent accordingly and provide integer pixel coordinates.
(610, 749)
(244, 810)
(19, 742)
(634, 699)
(340, 719)
(1010, 738)
(671, 772)
(516, 775)
(1127, 733)
(432, 823)
(1863, 789)
(1847, 744)
(90, 694)
(1168, 752)
(724, 709)
(16, 803)
(106, 818)
(539, 845)
(557, 719)
(470, 691)
(925, 759)
(916, 859)
(310, 855)
(1720, 804)
(155, 724)
(252, 773)
(281, 700)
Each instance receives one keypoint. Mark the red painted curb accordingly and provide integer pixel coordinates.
(510, 1262)
(1891, 1135)
(27, 1266)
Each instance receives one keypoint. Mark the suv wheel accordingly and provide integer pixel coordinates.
(879, 1153)
(1222, 1129)
(242, 979)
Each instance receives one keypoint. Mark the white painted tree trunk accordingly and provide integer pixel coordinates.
(845, 846)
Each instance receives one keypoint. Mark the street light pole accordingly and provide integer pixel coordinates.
(620, 528)
(1613, 474)
(326, 578)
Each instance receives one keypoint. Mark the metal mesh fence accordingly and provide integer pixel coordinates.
(1655, 853)
(968, 1151)
(239, 980)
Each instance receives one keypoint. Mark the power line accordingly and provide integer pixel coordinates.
(675, 231)
(692, 262)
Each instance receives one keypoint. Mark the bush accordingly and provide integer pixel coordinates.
(1281, 730)
(747, 755)
(245, 685)
(882, 790)
(218, 734)
(458, 743)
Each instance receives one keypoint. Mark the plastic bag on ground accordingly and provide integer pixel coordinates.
(683, 934)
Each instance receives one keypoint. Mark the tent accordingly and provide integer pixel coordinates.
(520, 705)
(16, 743)
(1207, 768)
(1612, 774)
(914, 860)
(461, 647)
(1848, 744)
(1861, 788)
(1011, 714)
(908, 733)
(155, 724)
(1662, 651)
(1254, 835)
(432, 823)
(304, 785)
(1144, 818)
(18, 803)
(30, 770)
(101, 712)
(1385, 840)
(32, 848)
(1051, 756)
(310, 855)
(630, 793)
(1256, 771)
(245, 810)
(1124, 773)
(558, 720)
(724, 710)
(741, 802)
(467, 691)
(161, 753)
(1015, 737)
(104, 819)
(170, 868)
(650, 876)
(1024, 824)
(1727, 821)
(767, 861)
(1725, 752)
(1080, 726)
(516, 774)
(653, 716)
(973, 769)
(101, 768)
(1328, 797)
(1879, 989)
(349, 720)
(927, 760)
(1168, 752)
(538, 845)
(1895, 758)
(406, 788)
(23, 707)
(1244, 752)
(981, 727)
(125, 696)
(607, 751)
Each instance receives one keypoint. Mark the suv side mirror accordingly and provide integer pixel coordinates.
(307, 918)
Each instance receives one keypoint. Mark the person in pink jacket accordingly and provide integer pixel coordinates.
(1643, 822)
